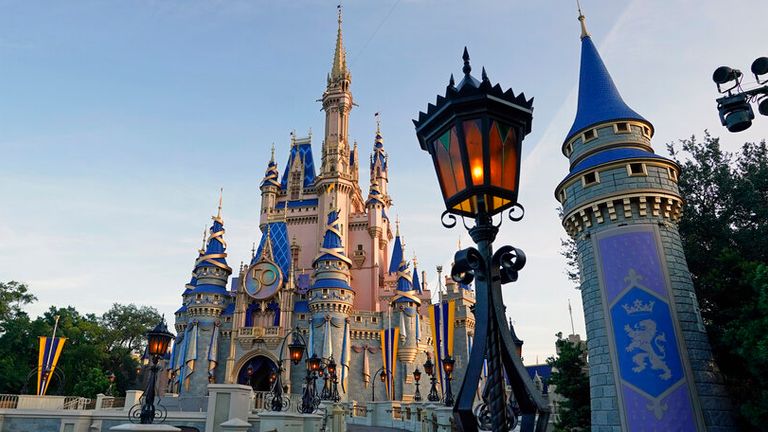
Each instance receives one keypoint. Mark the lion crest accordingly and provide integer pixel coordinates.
(650, 346)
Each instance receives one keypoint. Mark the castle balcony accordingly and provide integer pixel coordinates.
(249, 337)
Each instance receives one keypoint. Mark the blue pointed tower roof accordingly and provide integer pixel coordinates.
(397, 251)
(278, 240)
(272, 174)
(599, 99)
(416, 280)
(404, 291)
(379, 155)
(301, 149)
(332, 249)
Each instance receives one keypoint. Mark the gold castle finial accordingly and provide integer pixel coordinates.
(339, 69)
(221, 198)
(583, 21)
(272, 159)
(397, 226)
(378, 123)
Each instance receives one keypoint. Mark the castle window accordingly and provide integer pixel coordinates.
(325, 291)
(302, 317)
(672, 174)
(590, 178)
(373, 320)
(621, 127)
(562, 196)
(199, 296)
(569, 149)
(647, 132)
(359, 247)
(589, 135)
(358, 319)
(342, 292)
(637, 169)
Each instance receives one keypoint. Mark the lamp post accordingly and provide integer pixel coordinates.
(309, 399)
(429, 369)
(157, 345)
(383, 375)
(249, 372)
(448, 364)
(417, 378)
(295, 354)
(474, 135)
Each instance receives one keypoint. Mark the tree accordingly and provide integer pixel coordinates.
(725, 238)
(571, 381)
(94, 381)
(13, 295)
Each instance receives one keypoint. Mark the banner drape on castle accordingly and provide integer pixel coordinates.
(213, 350)
(441, 318)
(190, 354)
(390, 340)
(50, 350)
(646, 347)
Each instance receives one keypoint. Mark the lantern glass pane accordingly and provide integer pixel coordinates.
(448, 159)
(509, 157)
(474, 140)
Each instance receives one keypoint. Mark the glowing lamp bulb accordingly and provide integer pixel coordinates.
(477, 174)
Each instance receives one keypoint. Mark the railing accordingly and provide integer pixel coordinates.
(109, 402)
(359, 410)
(9, 401)
(257, 332)
(262, 401)
(76, 403)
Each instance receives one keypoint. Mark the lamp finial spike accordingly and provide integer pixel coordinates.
(467, 68)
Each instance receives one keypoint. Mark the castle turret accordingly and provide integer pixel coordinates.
(205, 303)
(379, 166)
(331, 297)
(270, 186)
(650, 361)
(335, 188)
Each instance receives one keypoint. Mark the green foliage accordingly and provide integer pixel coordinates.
(94, 381)
(94, 344)
(571, 381)
(725, 237)
(13, 295)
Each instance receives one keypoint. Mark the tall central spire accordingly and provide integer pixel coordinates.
(339, 68)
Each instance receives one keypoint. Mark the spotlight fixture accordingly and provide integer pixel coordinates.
(734, 107)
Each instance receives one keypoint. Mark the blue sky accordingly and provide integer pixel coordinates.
(120, 121)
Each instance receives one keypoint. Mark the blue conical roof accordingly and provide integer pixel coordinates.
(397, 255)
(599, 100)
(405, 291)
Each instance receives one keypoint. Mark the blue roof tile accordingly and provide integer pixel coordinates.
(303, 152)
(281, 247)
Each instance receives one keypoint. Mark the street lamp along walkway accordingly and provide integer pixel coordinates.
(474, 135)
(157, 345)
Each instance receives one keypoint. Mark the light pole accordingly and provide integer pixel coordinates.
(474, 135)
(429, 369)
(417, 378)
(295, 353)
(383, 375)
(157, 345)
(309, 398)
(448, 364)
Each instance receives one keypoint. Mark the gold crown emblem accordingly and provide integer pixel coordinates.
(638, 307)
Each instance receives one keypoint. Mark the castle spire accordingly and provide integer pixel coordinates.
(599, 99)
(339, 67)
(221, 197)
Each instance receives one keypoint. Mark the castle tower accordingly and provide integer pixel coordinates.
(650, 362)
(379, 168)
(270, 186)
(405, 310)
(334, 183)
(331, 297)
(204, 304)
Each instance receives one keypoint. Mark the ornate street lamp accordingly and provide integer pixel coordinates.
(157, 345)
(295, 354)
(429, 369)
(448, 363)
(383, 377)
(417, 378)
(474, 135)
(309, 398)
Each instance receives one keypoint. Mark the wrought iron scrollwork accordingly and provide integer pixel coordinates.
(448, 220)
(159, 412)
(509, 260)
(465, 263)
(516, 213)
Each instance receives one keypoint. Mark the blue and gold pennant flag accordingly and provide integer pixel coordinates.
(441, 319)
(50, 350)
(390, 339)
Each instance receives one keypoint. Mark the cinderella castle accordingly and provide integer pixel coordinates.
(330, 263)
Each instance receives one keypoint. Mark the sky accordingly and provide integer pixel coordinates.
(120, 122)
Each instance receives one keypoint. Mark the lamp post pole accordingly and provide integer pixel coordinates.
(417, 378)
(157, 346)
(429, 369)
(373, 382)
(296, 353)
(309, 399)
(474, 135)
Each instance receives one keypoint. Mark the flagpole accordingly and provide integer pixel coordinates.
(47, 364)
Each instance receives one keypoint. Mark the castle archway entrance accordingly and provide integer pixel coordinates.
(256, 371)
